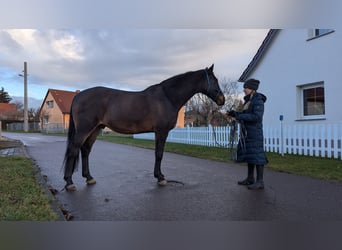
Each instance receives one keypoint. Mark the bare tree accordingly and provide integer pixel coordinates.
(230, 91)
(202, 111)
(33, 114)
(19, 106)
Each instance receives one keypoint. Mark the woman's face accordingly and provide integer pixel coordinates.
(247, 91)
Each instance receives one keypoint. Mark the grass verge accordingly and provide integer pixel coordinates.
(22, 198)
(316, 167)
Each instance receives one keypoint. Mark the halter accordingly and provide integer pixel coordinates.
(209, 84)
(208, 80)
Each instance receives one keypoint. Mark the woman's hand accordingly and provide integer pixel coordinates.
(231, 113)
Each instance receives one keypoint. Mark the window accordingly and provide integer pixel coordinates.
(311, 100)
(46, 119)
(49, 104)
(314, 33)
(320, 32)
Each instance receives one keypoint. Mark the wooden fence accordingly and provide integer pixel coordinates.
(321, 140)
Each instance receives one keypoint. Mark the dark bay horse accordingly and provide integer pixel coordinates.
(154, 109)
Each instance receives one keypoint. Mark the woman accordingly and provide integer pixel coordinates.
(251, 143)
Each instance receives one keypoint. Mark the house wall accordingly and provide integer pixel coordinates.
(55, 114)
(180, 119)
(66, 120)
(290, 61)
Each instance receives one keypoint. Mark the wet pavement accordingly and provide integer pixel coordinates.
(204, 190)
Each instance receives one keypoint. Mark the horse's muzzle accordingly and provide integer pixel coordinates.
(220, 100)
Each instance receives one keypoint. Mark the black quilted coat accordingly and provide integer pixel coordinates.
(251, 143)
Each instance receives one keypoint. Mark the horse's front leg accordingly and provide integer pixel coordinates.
(159, 150)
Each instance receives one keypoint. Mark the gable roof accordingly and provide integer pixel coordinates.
(260, 53)
(62, 98)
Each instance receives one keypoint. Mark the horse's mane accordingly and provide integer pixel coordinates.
(173, 81)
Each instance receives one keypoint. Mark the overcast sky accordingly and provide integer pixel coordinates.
(132, 44)
(129, 59)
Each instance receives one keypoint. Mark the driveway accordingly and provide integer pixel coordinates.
(127, 191)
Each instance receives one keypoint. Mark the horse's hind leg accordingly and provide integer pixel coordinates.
(85, 151)
(71, 162)
(159, 150)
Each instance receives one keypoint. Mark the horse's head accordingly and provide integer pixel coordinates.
(213, 89)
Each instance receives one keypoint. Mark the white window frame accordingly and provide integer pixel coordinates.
(300, 101)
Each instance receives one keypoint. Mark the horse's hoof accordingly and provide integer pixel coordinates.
(162, 182)
(91, 182)
(70, 187)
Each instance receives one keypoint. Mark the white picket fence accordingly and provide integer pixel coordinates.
(321, 140)
(205, 136)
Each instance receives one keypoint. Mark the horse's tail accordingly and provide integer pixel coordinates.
(71, 156)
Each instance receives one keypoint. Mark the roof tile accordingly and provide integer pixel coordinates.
(63, 99)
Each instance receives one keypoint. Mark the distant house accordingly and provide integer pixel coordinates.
(181, 118)
(299, 70)
(8, 113)
(55, 108)
(7, 110)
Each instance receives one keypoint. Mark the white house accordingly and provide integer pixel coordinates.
(299, 70)
(300, 73)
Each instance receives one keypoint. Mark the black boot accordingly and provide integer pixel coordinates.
(259, 184)
(250, 176)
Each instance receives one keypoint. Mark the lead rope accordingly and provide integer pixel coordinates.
(232, 139)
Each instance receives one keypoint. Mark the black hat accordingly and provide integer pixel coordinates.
(251, 84)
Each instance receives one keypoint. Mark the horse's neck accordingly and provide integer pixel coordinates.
(181, 91)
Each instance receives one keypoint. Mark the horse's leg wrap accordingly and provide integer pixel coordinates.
(161, 179)
(90, 180)
(162, 182)
(69, 186)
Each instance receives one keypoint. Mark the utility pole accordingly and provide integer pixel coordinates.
(25, 98)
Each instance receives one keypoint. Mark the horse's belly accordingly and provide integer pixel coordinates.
(132, 128)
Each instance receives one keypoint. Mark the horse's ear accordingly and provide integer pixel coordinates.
(211, 68)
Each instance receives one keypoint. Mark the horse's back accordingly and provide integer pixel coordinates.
(96, 98)
(96, 93)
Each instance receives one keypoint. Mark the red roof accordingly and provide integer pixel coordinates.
(62, 98)
(5, 108)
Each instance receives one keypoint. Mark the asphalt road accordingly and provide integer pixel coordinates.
(127, 191)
